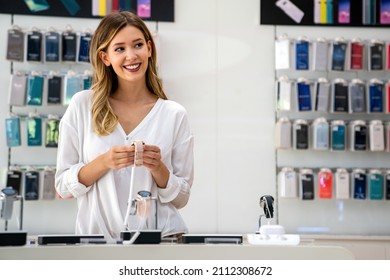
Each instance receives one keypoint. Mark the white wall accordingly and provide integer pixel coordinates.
(217, 61)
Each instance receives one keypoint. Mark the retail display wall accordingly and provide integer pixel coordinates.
(334, 213)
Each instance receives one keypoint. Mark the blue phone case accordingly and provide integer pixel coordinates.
(52, 47)
(304, 97)
(31, 185)
(338, 56)
(376, 98)
(360, 186)
(302, 55)
(83, 54)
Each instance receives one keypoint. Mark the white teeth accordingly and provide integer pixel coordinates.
(132, 67)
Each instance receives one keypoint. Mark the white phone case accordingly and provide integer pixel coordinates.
(291, 10)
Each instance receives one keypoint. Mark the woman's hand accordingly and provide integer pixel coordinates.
(119, 157)
(152, 161)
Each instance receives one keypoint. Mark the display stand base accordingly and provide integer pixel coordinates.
(18, 238)
(143, 236)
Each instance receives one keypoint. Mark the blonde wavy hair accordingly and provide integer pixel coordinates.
(104, 81)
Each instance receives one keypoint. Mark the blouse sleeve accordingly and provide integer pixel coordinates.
(69, 160)
(181, 176)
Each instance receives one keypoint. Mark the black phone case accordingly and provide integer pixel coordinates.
(340, 103)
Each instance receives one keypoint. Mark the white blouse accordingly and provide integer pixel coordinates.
(102, 206)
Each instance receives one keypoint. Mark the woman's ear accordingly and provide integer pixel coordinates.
(149, 48)
(104, 57)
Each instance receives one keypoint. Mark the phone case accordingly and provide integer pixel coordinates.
(17, 94)
(320, 134)
(322, 90)
(375, 185)
(338, 56)
(375, 97)
(283, 133)
(359, 181)
(376, 55)
(83, 50)
(301, 135)
(86, 82)
(325, 183)
(71, 6)
(304, 96)
(342, 184)
(284, 92)
(52, 47)
(329, 11)
(387, 97)
(357, 51)
(377, 136)
(47, 189)
(359, 138)
(282, 54)
(320, 55)
(340, 98)
(34, 46)
(306, 185)
(69, 46)
(338, 136)
(387, 186)
(54, 90)
(344, 11)
(71, 87)
(14, 180)
(291, 10)
(385, 11)
(52, 132)
(15, 45)
(287, 180)
(34, 90)
(12, 132)
(302, 55)
(369, 12)
(317, 11)
(31, 185)
(37, 5)
(357, 92)
(144, 9)
(34, 131)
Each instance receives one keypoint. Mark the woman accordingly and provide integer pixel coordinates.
(126, 103)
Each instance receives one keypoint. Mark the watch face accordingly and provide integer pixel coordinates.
(8, 191)
(144, 193)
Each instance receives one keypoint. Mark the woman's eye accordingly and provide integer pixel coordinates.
(139, 45)
(119, 49)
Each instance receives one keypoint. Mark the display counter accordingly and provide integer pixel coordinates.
(175, 251)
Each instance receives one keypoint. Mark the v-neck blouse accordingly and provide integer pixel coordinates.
(102, 206)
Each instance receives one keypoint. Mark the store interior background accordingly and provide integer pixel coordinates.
(218, 62)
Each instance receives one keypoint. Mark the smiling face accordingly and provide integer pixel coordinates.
(128, 54)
